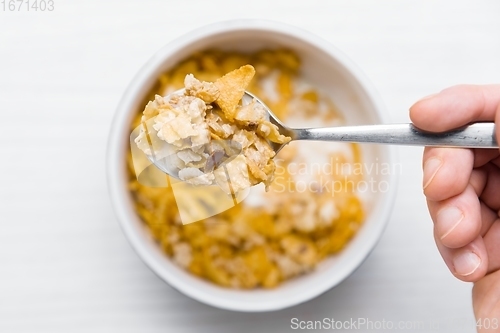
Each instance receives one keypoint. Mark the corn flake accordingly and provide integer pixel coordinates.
(232, 87)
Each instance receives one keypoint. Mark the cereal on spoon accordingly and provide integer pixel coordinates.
(200, 124)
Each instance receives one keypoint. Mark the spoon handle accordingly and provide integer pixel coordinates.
(477, 135)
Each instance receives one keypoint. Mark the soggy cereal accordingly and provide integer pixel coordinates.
(288, 230)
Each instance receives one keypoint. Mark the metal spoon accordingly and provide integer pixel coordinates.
(477, 135)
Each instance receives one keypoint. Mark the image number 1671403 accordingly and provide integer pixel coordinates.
(27, 5)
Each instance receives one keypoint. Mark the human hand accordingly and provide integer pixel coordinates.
(462, 187)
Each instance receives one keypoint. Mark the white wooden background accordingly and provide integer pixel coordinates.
(65, 265)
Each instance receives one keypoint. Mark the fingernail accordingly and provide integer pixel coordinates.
(448, 218)
(466, 263)
(431, 167)
(427, 97)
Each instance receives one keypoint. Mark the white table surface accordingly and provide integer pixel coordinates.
(65, 265)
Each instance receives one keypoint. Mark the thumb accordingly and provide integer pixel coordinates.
(456, 106)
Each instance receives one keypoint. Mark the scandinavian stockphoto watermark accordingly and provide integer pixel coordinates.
(365, 324)
(27, 5)
(335, 176)
(196, 202)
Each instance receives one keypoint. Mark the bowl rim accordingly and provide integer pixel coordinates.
(121, 122)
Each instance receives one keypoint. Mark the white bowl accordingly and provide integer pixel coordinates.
(325, 67)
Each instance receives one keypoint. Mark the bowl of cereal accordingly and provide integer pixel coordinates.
(305, 228)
